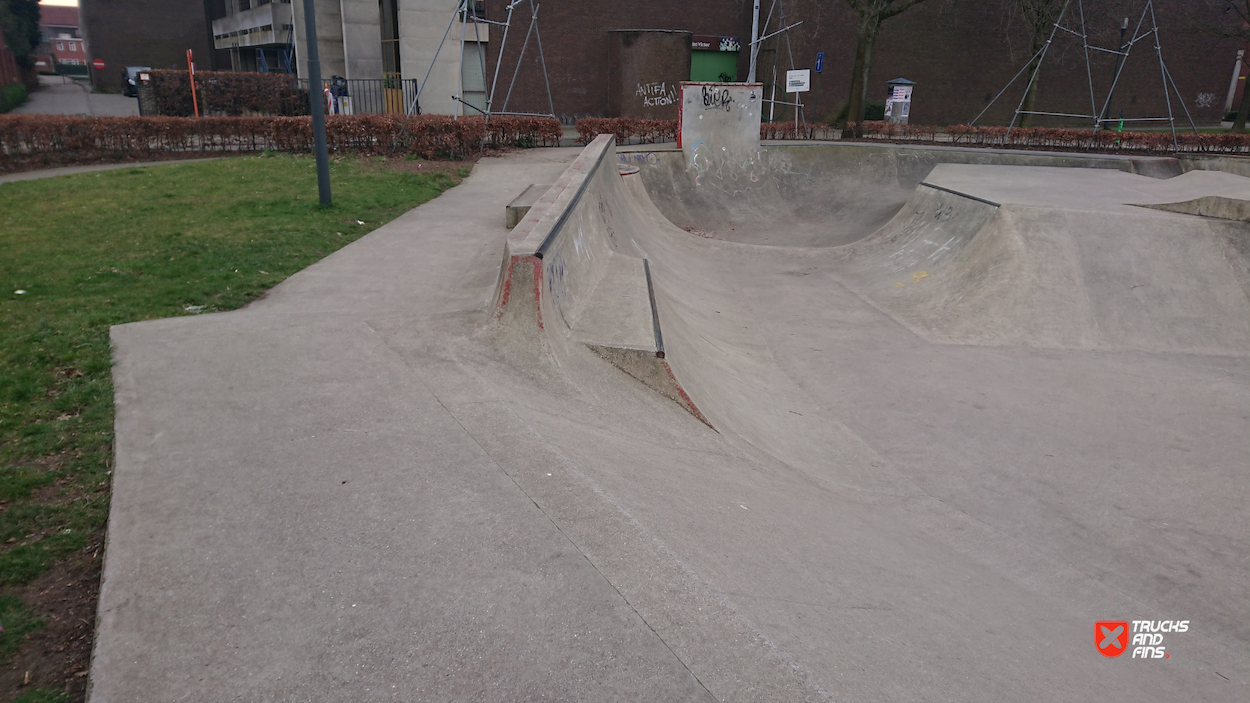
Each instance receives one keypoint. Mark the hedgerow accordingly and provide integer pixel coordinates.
(42, 141)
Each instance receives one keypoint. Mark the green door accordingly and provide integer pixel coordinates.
(714, 66)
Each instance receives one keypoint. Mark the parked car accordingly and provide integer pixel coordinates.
(130, 80)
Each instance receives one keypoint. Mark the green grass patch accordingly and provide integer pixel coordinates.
(84, 252)
(42, 695)
(18, 622)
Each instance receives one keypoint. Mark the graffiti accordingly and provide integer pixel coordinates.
(716, 98)
(648, 158)
(736, 172)
(656, 94)
(1205, 100)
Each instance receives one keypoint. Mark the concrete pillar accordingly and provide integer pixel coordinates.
(421, 27)
(362, 39)
(329, 38)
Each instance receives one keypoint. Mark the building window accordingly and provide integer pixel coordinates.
(60, 46)
(73, 46)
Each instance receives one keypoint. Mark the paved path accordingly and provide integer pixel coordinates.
(358, 489)
(71, 170)
(58, 95)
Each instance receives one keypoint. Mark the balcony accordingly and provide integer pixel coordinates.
(264, 25)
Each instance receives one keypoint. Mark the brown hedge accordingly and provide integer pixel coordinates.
(43, 141)
(224, 94)
(625, 128)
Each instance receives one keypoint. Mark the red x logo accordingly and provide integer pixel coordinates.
(1111, 636)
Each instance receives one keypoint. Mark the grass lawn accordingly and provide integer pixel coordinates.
(81, 253)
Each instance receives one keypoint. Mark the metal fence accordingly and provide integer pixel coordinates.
(228, 94)
(369, 96)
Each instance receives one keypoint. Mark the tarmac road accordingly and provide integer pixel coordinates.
(58, 95)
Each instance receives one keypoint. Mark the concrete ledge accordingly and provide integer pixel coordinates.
(520, 206)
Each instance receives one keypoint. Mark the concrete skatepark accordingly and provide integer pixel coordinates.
(803, 422)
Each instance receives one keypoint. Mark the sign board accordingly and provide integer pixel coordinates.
(98, 64)
(145, 76)
(709, 43)
(798, 81)
(820, 61)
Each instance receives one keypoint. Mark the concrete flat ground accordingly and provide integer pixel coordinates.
(360, 488)
(58, 95)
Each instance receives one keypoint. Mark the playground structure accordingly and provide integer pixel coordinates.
(469, 17)
(1099, 117)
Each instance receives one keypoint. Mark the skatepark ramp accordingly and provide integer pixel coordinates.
(1022, 252)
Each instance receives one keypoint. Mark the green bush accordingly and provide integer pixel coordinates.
(11, 96)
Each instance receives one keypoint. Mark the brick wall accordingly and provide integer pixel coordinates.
(959, 52)
(154, 33)
(576, 45)
(645, 71)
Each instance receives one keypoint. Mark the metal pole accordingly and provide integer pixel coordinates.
(1089, 73)
(317, 102)
(515, 73)
(538, 38)
(1127, 48)
(755, 35)
(490, 98)
(1033, 77)
(421, 85)
(1119, 61)
(464, 9)
(1164, 72)
(1181, 100)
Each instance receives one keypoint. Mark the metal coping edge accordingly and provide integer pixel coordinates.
(564, 216)
(655, 313)
(962, 195)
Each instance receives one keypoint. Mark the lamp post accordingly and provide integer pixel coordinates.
(317, 102)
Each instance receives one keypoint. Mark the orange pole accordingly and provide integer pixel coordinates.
(191, 69)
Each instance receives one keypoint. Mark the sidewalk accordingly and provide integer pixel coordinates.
(58, 95)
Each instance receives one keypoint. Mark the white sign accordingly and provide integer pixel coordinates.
(798, 81)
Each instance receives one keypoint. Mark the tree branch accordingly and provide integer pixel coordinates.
(906, 5)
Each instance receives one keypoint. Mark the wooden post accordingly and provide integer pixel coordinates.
(191, 71)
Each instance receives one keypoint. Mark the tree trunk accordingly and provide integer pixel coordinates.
(1239, 124)
(868, 28)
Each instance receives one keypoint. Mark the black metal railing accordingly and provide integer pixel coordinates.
(370, 96)
(227, 94)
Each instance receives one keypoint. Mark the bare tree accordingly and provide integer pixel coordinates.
(1237, 28)
(872, 13)
(1039, 17)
